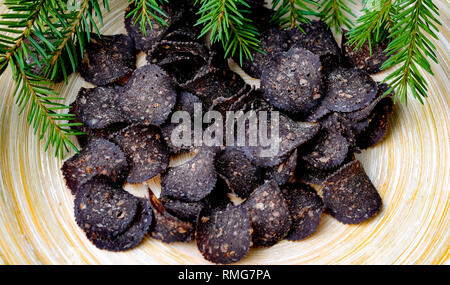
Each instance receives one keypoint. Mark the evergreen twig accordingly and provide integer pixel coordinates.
(336, 14)
(373, 26)
(37, 33)
(409, 46)
(147, 10)
(226, 22)
(291, 13)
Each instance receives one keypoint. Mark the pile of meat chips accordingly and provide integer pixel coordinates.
(225, 198)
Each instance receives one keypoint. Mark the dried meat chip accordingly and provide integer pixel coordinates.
(148, 97)
(368, 58)
(96, 107)
(233, 103)
(191, 181)
(99, 157)
(292, 80)
(186, 211)
(108, 59)
(283, 172)
(154, 33)
(211, 85)
(349, 195)
(317, 114)
(337, 122)
(186, 102)
(308, 173)
(182, 68)
(378, 126)
(166, 48)
(269, 213)
(224, 236)
(349, 89)
(218, 198)
(168, 228)
(241, 176)
(145, 150)
(273, 40)
(329, 149)
(317, 38)
(182, 34)
(305, 208)
(291, 135)
(132, 237)
(365, 112)
(104, 208)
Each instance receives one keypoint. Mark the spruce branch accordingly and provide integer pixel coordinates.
(147, 10)
(374, 25)
(291, 13)
(410, 47)
(226, 22)
(37, 33)
(73, 33)
(34, 91)
(336, 14)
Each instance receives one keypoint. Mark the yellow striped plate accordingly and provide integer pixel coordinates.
(410, 168)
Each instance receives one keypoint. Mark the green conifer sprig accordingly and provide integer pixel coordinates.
(407, 26)
(410, 47)
(291, 13)
(337, 14)
(43, 35)
(147, 10)
(227, 22)
(374, 25)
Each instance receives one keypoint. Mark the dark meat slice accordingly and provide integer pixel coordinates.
(349, 89)
(307, 173)
(168, 228)
(218, 198)
(96, 107)
(165, 48)
(328, 150)
(349, 195)
(224, 236)
(99, 157)
(273, 40)
(235, 102)
(186, 102)
(148, 97)
(103, 208)
(211, 85)
(269, 213)
(291, 135)
(241, 176)
(318, 39)
(131, 237)
(378, 127)
(191, 181)
(292, 80)
(283, 172)
(186, 211)
(365, 112)
(108, 59)
(305, 207)
(145, 149)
